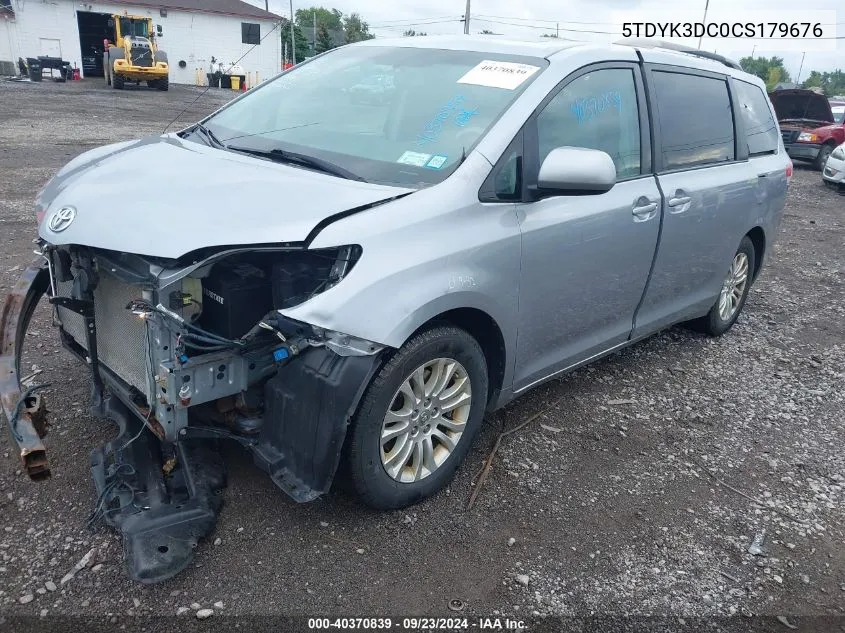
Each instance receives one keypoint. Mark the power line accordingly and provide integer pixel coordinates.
(408, 24)
(506, 17)
(442, 17)
(547, 28)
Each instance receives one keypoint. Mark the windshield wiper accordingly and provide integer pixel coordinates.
(209, 136)
(311, 162)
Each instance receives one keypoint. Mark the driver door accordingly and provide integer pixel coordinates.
(586, 258)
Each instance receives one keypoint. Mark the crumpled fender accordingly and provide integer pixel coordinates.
(25, 413)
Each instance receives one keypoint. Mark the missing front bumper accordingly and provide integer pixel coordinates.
(25, 412)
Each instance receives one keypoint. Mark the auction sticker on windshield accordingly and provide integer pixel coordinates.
(507, 75)
(417, 159)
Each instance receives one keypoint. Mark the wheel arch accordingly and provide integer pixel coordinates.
(758, 239)
(484, 329)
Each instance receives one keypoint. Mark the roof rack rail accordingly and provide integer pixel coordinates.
(680, 48)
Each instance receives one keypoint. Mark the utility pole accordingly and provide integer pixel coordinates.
(557, 29)
(800, 68)
(753, 48)
(704, 20)
(314, 31)
(267, 6)
(466, 20)
(292, 35)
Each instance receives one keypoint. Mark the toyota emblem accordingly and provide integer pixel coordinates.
(61, 219)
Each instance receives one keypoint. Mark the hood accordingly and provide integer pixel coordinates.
(165, 197)
(801, 105)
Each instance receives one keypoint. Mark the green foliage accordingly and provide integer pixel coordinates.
(302, 48)
(486, 32)
(769, 69)
(413, 33)
(329, 19)
(831, 83)
(324, 40)
(355, 29)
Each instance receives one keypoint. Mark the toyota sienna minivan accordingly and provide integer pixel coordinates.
(345, 286)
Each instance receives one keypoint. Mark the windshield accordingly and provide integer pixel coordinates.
(838, 113)
(138, 28)
(390, 115)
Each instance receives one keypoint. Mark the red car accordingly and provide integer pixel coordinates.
(807, 124)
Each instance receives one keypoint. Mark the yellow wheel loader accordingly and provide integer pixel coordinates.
(132, 54)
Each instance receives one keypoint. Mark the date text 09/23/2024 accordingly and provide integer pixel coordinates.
(418, 624)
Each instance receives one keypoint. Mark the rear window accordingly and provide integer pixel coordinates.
(695, 120)
(838, 113)
(761, 131)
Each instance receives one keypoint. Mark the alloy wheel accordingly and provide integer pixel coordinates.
(425, 420)
(734, 287)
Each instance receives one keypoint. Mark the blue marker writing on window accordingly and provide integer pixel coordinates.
(590, 107)
(432, 129)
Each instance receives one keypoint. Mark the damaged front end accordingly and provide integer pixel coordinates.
(183, 354)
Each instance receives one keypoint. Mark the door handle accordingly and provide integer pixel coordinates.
(679, 201)
(645, 212)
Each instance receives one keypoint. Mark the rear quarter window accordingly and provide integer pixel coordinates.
(695, 119)
(761, 131)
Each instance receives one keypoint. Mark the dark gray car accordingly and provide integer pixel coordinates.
(326, 279)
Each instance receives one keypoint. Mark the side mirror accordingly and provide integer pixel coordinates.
(576, 170)
(111, 22)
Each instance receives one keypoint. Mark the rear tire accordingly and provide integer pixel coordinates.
(430, 396)
(163, 84)
(735, 287)
(824, 154)
(117, 82)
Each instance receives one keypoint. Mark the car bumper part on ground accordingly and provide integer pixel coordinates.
(803, 151)
(25, 411)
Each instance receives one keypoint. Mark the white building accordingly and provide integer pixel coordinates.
(192, 32)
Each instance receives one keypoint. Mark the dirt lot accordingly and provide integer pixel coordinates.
(637, 490)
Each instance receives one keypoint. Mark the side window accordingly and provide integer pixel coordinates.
(505, 181)
(597, 111)
(760, 129)
(695, 120)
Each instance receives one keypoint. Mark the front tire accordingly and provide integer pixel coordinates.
(417, 419)
(117, 81)
(733, 294)
(824, 154)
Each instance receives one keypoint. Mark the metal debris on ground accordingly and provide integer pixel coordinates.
(83, 562)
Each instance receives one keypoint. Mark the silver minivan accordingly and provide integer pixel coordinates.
(346, 285)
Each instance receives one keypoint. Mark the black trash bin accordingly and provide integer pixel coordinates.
(213, 80)
(226, 81)
(34, 66)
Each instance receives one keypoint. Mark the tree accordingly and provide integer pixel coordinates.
(771, 70)
(413, 33)
(330, 19)
(355, 29)
(486, 32)
(552, 35)
(831, 83)
(324, 40)
(302, 48)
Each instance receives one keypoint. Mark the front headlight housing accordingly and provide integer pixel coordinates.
(807, 137)
(838, 153)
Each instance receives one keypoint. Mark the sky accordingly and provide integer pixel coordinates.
(530, 18)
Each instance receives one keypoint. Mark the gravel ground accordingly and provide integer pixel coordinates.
(640, 487)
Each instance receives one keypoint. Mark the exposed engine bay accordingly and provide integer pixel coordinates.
(186, 353)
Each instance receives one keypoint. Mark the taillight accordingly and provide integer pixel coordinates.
(789, 171)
